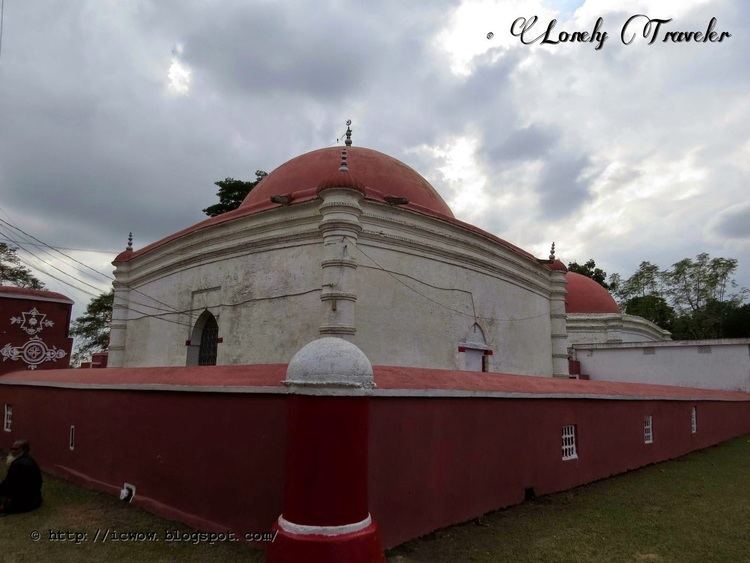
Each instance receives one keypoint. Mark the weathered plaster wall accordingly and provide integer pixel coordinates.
(441, 281)
(707, 364)
(236, 290)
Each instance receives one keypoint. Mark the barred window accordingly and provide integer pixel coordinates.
(569, 442)
(648, 430)
(8, 418)
(693, 420)
(209, 342)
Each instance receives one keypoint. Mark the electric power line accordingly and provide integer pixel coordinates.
(11, 225)
(6, 239)
(81, 263)
(243, 302)
(474, 316)
(55, 267)
(24, 262)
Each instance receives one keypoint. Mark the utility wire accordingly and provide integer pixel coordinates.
(79, 262)
(54, 277)
(11, 225)
(243, 302)
(474, 315)
(55, 267)
(95, 295)
(77, 279)
(5, 239)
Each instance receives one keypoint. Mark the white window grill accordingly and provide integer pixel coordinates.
(693, 420)
(8, 418)
(648, 430)
(569, 442)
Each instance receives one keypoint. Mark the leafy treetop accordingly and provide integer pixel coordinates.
(92, 328)
(12, 272)
(232, 193)
(692, 298)
(590, 270)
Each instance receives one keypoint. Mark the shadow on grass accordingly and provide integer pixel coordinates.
(68, 521)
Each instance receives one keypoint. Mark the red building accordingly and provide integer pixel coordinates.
(34, 327)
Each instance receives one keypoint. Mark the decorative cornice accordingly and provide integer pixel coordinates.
(337, 295)
(337, 329)
(339, 262)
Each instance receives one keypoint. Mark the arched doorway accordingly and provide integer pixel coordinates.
(204, 341)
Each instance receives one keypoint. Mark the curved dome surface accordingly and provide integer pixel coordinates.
(380, 175)
(586, 296)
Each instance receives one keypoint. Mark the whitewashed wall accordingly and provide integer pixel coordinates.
(707, 364)
(280, 252)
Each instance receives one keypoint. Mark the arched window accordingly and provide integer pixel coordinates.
(204, 341)
(475, 351)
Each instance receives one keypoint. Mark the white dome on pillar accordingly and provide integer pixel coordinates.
(330, 362)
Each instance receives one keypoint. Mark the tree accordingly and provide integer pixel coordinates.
(693, 296)
(645, 281)
(92, 329)
(652, 308)
(737, 322)
(590, 270)
(691, 284)
(12, 272)
(232, 193)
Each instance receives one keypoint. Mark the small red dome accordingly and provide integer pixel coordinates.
(559, 266)
(586, 296)
(381, 176)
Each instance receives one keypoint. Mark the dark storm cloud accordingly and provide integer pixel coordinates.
(734, 222)
(92, 145)
(527, 143)
(91, 137)
(563, 186)
(262, 52)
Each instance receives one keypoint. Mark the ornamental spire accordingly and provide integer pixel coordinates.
(130, 242)
(348, 141)
(552, 252)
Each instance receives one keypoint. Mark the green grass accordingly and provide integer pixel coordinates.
(70, 508)
(695, 508)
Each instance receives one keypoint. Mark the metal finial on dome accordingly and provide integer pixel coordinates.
(130, 241)
(552, 252)
(348, 141)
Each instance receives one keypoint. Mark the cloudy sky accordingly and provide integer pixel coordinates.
(119, 116)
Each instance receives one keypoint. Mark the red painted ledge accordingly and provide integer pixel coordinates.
(389, 380)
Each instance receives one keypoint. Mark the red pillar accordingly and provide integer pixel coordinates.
(325, 516)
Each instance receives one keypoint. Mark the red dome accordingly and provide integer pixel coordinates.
(380, 175)
(587, 296)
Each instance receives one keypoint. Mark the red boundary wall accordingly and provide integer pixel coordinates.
(207, 445)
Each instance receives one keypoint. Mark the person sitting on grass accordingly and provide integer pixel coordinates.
(21, 490)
